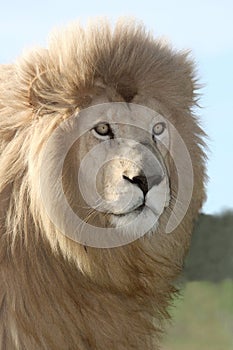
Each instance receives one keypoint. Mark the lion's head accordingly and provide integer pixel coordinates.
(99, 129)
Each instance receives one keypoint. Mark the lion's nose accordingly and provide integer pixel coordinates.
(145, 184)
(141, 182)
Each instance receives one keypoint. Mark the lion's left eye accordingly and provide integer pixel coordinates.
(103, 130)
(159, 128)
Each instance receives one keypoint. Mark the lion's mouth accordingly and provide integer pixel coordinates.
(136, 210)
(138, 217)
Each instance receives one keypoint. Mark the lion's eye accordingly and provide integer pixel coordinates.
(159, 128)
(103, 130)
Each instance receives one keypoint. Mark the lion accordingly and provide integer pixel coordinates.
(94, 265)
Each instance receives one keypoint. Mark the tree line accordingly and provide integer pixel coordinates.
(211, 254)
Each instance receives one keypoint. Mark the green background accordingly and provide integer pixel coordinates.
(202, 316)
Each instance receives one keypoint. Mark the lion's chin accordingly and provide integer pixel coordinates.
(117, 220)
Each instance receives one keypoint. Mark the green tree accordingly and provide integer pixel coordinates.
(211, 254)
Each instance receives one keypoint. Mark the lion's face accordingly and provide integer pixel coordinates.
(123, 172)
(115, 171)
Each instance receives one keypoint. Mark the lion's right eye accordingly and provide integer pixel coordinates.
(103, 131)
(159, 128)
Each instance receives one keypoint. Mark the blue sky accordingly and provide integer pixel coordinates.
(204, 26)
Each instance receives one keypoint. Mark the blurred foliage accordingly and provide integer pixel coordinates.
(202, 318)
(203, 313)
(211, 253)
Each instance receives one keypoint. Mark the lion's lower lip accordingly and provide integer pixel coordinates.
(135, 210)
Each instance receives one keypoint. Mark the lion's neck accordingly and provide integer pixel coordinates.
(47, 303)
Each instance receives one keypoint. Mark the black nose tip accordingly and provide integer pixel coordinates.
(145, 184)
(140, 181)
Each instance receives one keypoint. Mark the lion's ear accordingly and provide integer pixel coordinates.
(40, 76)
(38, 84)
(47, 88)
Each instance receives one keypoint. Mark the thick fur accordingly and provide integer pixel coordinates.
(54, 294)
